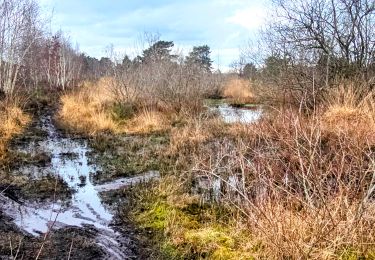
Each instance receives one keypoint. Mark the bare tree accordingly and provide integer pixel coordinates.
(62, 63)
(69, 66)
(19, 24)
(323, 40)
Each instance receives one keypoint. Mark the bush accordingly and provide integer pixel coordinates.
(123, 111)
(303, 187)
(164, 85)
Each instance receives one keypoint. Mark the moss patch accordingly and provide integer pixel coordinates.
(182, 229)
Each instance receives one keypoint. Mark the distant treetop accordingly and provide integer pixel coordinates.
(200, 56)
(159, 51)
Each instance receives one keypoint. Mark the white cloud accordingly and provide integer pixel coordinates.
(224, 25)
(251, 18)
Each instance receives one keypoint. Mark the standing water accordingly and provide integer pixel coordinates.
(209, 187)
(69, 161)
(232, 114)
(239, 115)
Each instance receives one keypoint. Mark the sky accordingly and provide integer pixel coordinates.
(224, 25)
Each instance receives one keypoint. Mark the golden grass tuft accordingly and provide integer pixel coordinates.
(239, 91)
(13, 120)
(147, 121)
(85, 114)
(90, 110)
(194, 133)
(349, 111)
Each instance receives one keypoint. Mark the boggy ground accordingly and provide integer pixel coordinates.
(27, 182)
(297, 184)
(283, 191)
(174, 220)
(21, 189)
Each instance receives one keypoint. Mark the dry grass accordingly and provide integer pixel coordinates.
(85, 110)
(13, 120)
(350, 110)
(305, 183)
(90, 110)
(193, 134)
(147, 121)
(239, 91)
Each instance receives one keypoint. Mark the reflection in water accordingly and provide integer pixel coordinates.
(70, 162)
(238, 115)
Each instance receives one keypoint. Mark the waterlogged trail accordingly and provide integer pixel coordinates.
(70, 162)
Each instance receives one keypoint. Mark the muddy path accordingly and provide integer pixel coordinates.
(74, 205)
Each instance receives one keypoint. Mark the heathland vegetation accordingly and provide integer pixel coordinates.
(298, 183)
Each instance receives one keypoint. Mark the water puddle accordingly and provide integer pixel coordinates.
(237, 115)
(117, 184)
(69, 161)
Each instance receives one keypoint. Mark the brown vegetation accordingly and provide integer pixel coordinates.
(86, 109)
(297, 184)
(94, 108)
(293, 185)
(13, 120)
(350, 110)
(304, 188)
(239, 91)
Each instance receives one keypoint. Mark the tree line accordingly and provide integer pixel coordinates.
(307, 46)
(32, 57)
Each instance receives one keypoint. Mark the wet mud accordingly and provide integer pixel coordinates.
(58, 211)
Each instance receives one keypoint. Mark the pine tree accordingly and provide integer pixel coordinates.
(200, 56)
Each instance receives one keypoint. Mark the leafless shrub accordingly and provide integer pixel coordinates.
(170, 85)
(310, 46)
(303, 189)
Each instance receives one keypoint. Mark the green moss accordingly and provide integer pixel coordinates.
(180, 231)
(155, 217)
(169, 251)
(225, 253)
(209, 240)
